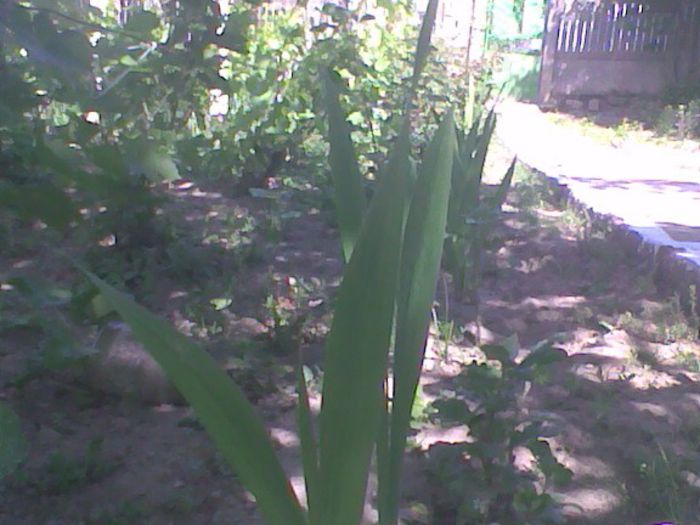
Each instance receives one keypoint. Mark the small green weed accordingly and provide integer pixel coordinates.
(422, 409)
(694, 316)
(666, 323)
(630, 323)
(445, 331)
(689, 360)
(627, 127)
(661, 487)
(48, 314)
(681, 121)
(64, 474)
(672, 322)
(288, 305)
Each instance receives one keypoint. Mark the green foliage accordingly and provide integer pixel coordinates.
(48, 312)
(668, 484)
(484, 484)
(99, 113)
(373, 63)
(64, 474)
(356, 352)
(95, 110)
(519, 74)
(268, 115)
(390, 266)
(347, 181)
(681, 121)
(103, 110)
(420, 262)
(98, 84)
(676, 323)
(286, 305)
(473, 214)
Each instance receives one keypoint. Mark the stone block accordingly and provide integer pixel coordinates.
(574, 104)
(594, 105)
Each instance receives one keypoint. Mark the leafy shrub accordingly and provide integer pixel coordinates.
(484, 484)
(680, 121)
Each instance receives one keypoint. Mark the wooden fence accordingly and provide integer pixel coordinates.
(628, 30)
(618, 47)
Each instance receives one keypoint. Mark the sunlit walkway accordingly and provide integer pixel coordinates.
(654, 189)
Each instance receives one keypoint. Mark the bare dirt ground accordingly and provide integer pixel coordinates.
(628, 397)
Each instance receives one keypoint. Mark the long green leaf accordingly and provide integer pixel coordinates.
(357, 348)
(424, 37)
(309, 449)
(220, 405)
(463, 195)
(383, 466)
(455, 212)
(348, 192)
(502, 191)
(476, 167)
(420, 264)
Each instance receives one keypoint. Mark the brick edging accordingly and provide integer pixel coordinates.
(671, 273)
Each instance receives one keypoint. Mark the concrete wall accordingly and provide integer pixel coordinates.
(596, 77)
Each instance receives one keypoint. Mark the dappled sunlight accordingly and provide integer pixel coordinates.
(561, 301)
(651, 380)
(585, 466)
(591, 503)
(658, 411)
(284, 437)
(427, 437)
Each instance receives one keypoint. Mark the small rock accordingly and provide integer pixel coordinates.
(122, 367)
(691, 478)
(244, 327)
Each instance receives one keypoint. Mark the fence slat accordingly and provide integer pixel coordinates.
(620, 28)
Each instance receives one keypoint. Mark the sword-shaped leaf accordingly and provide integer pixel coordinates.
(420, 263)
(348, 191)
(357, 348)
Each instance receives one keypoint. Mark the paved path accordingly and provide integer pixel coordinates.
(653, 189)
